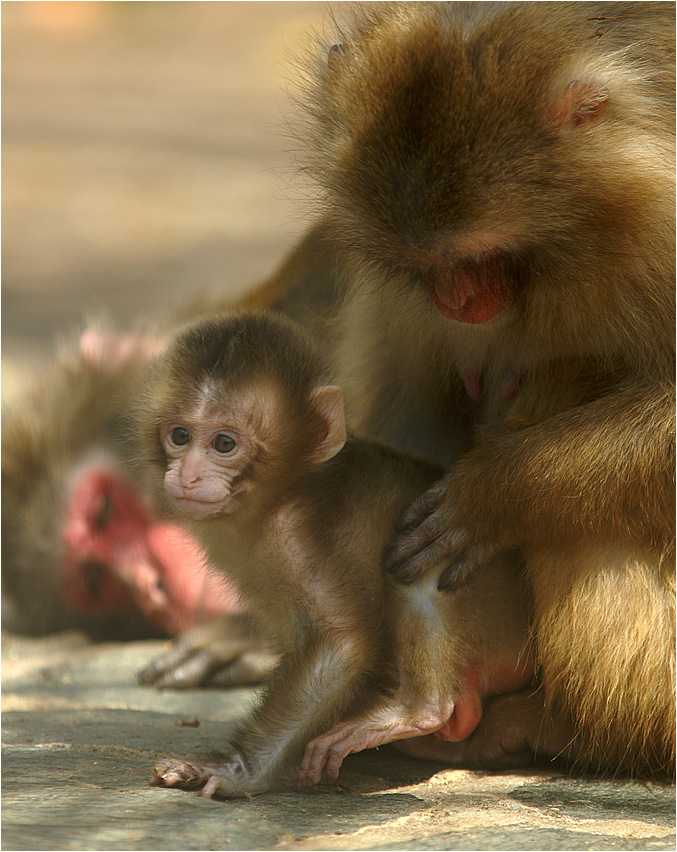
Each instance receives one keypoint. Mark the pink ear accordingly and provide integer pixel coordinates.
(328, 402)
(580, 104)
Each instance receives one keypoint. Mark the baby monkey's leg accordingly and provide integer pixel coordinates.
(429, 685)
(453, 649)
(309, 691)
(392, 719)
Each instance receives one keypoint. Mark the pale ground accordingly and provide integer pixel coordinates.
(143, 159)
(142, 166)
(80, 739)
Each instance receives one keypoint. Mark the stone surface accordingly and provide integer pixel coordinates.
(80, 738)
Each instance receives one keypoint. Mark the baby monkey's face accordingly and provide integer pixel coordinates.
(234, 431)
(206, 460)
(222, 451)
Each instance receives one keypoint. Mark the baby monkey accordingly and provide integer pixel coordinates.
(252, 447)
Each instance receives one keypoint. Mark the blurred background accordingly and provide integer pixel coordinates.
(145, 160)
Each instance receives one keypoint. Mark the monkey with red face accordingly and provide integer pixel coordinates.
(85, 546)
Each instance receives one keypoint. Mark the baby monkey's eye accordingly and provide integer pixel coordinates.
(179, 436)
(223, 444)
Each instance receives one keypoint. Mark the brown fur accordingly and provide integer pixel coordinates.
(305, 547)
(314, 259)
(552, 126)
(74, 426)
(74, 414)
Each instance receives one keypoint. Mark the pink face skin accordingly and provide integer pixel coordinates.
(204, 460)
(208, 451)
(118, 557)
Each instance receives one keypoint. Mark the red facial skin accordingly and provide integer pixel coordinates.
(117, 556)
(473, 292)
(480, 684)
(110, 352)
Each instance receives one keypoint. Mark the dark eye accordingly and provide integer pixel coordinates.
(179, 436)
(104, 513)
(223, 444)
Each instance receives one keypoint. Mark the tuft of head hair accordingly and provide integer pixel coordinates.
(234, 348)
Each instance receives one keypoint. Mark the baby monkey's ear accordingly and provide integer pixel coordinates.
(328, 402)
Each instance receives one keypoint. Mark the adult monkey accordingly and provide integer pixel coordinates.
(500, 181)
(84, 543)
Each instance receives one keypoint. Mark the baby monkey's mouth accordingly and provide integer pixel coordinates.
(198, 508)
(475, 290)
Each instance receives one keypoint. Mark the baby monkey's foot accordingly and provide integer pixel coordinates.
(326, 753)
(224, 779)
(173, 772)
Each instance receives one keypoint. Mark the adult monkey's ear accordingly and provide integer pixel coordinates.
(581, 103)
(110, 352)
(327, 400)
